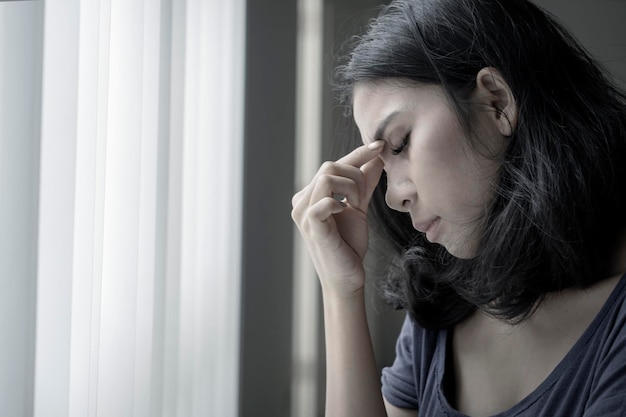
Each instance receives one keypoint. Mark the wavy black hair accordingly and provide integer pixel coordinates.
(559, 209)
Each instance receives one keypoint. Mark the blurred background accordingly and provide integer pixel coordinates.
(149, 150)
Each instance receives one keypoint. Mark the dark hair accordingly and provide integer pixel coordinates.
(560, 207)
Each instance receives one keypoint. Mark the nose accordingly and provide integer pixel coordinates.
(400, 196)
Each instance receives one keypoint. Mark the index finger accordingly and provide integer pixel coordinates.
(362, 154)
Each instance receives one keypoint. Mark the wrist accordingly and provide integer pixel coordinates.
(343, 292)
(344, 303)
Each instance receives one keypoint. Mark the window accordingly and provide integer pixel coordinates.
(124, 208)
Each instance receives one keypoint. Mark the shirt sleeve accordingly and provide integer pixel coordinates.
(398, 381)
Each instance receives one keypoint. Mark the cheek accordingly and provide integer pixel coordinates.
(439, 162)
(451, 180)
(440, 141)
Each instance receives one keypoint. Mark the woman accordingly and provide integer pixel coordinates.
(499, 147)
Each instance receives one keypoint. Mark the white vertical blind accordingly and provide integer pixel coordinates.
(56, 208)
(90, 162)
(140, 208)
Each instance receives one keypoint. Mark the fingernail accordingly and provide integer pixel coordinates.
(376, 145)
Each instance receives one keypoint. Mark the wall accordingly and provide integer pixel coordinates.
(267, 281)
(599, 26)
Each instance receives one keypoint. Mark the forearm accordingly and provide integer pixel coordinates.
(352, 378)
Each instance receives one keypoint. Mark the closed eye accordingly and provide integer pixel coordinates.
(403, 145)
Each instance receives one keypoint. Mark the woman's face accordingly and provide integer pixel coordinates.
(433, 173)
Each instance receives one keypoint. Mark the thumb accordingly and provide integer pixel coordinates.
(372, 171)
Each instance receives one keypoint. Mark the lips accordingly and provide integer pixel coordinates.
(425, 226)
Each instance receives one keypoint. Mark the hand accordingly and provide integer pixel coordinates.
(336, 231)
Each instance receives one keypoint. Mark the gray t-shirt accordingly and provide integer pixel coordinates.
(589, 381)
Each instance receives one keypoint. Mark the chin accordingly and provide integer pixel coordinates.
(461, 250)
(462, 254)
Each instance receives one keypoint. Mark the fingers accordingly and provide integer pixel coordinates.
(334, 182)
(324, 209)
(363, 154)
(362, 166)
(354, 177)
(319, 219)
(340, 187)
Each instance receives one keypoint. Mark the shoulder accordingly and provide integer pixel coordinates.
(404, 382)
(611, 324)
(417, 344)
(607, 348)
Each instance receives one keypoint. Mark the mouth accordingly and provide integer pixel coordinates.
(429, 228)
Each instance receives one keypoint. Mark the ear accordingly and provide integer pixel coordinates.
(494, 91)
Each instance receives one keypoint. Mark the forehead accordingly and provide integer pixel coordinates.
(370, 96)
(374, 101)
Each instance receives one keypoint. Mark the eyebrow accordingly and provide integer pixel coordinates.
(383, 125)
